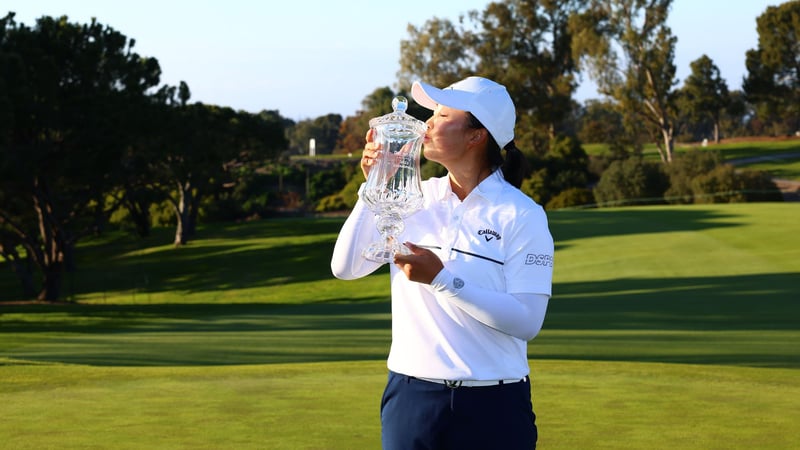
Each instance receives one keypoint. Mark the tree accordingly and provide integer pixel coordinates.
(197, 149)
(138, 186)
(629, 51)
(522, 44)
(737, 113)
(705, 94)
(351, 136)
(68, 96)
(526, 45)
(438, 53)
(324, 130)
(773, 69)
(600, 122)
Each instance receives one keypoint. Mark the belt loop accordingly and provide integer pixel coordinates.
(453, 384)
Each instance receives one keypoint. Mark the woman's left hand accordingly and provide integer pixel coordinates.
(421, 266)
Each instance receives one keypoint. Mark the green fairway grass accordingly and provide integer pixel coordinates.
(670, 327)
(786, 168)
(733, 149)
(580, 404)
(781, 158)
(738, 149)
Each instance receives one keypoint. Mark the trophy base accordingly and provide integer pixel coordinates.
(384, 251)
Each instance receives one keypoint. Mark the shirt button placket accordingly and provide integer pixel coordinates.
(455, 222)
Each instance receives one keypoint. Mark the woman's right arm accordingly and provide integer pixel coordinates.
(356, 234)
(358, 230)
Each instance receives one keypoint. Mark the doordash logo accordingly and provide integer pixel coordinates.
(539, 260)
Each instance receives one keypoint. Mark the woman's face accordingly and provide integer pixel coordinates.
(447, 137)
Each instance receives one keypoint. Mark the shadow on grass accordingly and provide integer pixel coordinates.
(207, 268)
(567, 225)
(235, 263)
(742, 320)
(201, 318)
(742, 302)
(224, 256)
(737, 320)
(694, 320)
(253, 255)
(194, 334)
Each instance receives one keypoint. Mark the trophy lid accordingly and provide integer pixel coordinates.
(398, 118)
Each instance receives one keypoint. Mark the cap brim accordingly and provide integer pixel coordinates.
(419, 92)
(429, 97)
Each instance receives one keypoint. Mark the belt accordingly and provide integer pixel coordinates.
(471, 383)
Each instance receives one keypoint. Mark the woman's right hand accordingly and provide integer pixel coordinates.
(370, 153)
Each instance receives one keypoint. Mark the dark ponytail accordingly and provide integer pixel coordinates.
(514, 165)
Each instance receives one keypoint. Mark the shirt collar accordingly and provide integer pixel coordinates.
(489, 188)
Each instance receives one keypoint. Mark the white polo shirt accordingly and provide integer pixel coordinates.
(497, 239)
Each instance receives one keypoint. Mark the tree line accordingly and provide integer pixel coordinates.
(540, 48)
(90, 137)
(86, 129)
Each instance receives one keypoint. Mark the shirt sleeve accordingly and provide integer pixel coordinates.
(518, 315)
(356, 234)
(528, 268)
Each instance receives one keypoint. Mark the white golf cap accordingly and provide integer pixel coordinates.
(488, 101)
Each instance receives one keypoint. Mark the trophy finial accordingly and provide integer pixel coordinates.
(400, 104)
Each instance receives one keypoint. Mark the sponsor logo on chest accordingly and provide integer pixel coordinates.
(489, 234)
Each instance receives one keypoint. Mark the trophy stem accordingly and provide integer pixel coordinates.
(389, 225)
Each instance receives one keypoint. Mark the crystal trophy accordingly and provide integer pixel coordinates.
(393, 189)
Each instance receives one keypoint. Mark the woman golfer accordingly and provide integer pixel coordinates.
(475, 287)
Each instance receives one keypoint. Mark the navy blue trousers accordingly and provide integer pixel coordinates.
(417, 415)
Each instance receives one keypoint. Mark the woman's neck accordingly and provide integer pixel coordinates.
(462, 183)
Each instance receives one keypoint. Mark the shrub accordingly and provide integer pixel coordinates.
(757, 186)
(631, 181)
(332, 203)
(716, 186)
(724, 184)
(344, 199)
(598, 164)
(683, 169)
(535, 186)
(329, 182)
(701, 177)
(571, 197)
(563, 167)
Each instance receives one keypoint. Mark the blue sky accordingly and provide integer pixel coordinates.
(307, 58)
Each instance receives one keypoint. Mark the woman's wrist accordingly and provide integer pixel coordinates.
(446, 282)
